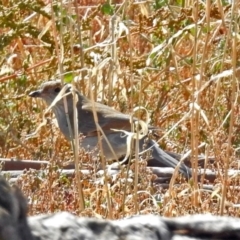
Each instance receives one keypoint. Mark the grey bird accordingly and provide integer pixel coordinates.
(108, 119)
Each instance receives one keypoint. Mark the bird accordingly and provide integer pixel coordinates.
(108, 119)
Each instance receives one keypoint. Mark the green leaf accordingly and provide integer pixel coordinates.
(107, 9)
(159, 3)
(68, 77)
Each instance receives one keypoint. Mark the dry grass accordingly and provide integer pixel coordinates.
(161, 56)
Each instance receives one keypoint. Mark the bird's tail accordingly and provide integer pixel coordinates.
(166, 160)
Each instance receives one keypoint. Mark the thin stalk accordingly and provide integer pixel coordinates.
(103, 160)
(60, 55)
(195, 113)
(234, 97)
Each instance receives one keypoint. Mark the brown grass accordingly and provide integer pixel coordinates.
(163, 58)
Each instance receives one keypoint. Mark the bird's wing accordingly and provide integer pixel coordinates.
(108, 118)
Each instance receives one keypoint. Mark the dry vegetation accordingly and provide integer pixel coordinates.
(165, 56)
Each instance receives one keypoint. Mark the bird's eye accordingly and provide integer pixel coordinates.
(57, 90)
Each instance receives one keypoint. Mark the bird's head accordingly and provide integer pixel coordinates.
(48, 91)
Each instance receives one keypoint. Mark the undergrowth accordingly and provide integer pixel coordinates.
(176, 59)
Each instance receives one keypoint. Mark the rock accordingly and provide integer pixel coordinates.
(13, 213)
(66, 226)
(143, 227)
(14, 224)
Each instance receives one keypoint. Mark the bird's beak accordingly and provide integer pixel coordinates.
(35, 94)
